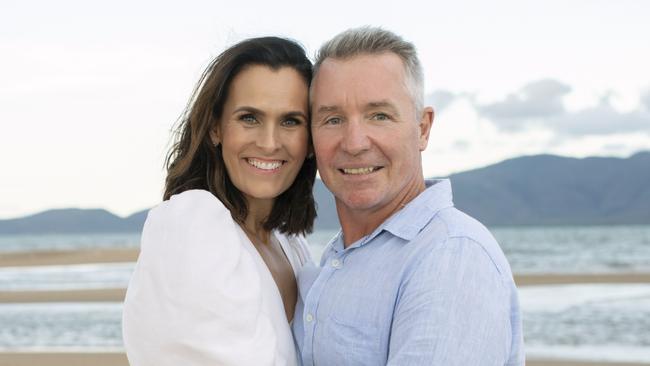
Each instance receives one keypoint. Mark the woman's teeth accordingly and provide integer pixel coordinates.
(264, 165)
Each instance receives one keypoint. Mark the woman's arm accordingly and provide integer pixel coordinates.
(195, 296)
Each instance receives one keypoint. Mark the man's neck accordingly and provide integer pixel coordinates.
(356, 224)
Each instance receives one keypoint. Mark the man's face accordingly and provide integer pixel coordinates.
(367, 134)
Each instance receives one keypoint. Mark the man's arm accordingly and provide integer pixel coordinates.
(452, 309)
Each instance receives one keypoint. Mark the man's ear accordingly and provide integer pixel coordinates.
(426, 121)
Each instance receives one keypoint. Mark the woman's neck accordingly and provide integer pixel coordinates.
(258, 212)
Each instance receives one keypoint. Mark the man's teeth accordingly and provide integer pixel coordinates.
(366, 170)
(264, 165)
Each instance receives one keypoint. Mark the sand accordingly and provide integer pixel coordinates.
(59, 257)
(559, 279)
(85, 295)
(63, 359)
(117, 295)
(119, 359)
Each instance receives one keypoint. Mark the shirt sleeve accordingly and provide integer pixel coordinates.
(453, 310)
(195, 294)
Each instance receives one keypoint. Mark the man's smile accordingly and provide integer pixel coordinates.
(360, 170)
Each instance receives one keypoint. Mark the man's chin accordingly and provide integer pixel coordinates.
(359, 201)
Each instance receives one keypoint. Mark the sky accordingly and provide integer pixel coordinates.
(89, 91)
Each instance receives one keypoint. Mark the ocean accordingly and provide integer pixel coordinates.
(578, 321)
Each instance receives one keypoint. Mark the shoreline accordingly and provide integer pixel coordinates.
(66, 257)
(118, 358)
(81, 295)
(130, 255)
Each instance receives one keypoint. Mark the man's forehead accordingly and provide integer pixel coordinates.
(363, 79)
(388, 61)
(366, 105)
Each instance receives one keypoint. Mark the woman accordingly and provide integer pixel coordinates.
(215, 280)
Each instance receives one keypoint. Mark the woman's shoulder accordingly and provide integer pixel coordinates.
(187, 218)
(191, 201)
(191, 205)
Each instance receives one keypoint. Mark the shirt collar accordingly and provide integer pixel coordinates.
(410, 220)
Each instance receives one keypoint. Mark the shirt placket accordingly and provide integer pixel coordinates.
(310, 320)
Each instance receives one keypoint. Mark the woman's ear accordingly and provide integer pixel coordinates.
(214, 135)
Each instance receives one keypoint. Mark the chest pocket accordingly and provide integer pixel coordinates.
(355, 341)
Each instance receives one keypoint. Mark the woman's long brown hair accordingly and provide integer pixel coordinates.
(193, 162)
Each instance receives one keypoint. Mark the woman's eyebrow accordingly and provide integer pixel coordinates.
(249, 109)
(295, 114)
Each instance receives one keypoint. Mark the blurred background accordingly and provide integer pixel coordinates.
(542, 123)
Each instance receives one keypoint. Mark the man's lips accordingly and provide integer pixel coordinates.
(360, 170)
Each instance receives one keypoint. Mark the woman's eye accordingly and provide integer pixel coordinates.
(291, 122)
(248, 118)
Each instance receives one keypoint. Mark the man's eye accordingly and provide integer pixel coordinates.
(381, 117)
(333, 121)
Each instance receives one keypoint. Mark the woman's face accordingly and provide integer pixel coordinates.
(263, 130)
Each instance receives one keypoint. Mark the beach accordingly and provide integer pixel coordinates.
(65, 257)
(119, 359)
(59, 257)
(116, 295)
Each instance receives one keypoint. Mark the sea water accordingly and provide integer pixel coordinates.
(587, 321)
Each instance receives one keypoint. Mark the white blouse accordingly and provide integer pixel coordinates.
(201, 294)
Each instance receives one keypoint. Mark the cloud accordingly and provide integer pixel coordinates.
(540, 104)
(439, 99)
(645, 100)
(537, 100)
(602, 119)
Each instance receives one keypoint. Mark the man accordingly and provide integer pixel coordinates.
(409, 280)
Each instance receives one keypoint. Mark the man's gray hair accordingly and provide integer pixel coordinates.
(373, 41)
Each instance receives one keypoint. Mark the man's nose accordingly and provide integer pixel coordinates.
(355, 140)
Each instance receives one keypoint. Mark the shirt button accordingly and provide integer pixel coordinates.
(309, 318)
(336, 263)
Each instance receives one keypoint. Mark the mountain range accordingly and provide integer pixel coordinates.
(529, 190)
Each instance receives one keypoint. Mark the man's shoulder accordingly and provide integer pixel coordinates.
(453, 229)
(458, 224)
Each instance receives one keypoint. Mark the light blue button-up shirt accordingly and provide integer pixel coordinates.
(430, 286)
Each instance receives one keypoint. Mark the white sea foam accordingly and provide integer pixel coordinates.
(556, 298)
(594, 353)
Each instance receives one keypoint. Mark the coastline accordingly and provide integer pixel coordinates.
(118, 358)
(104, 256)
(65, 257)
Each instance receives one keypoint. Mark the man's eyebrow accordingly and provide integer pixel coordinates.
(379, 104)
(382, 104)
(327, 108)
